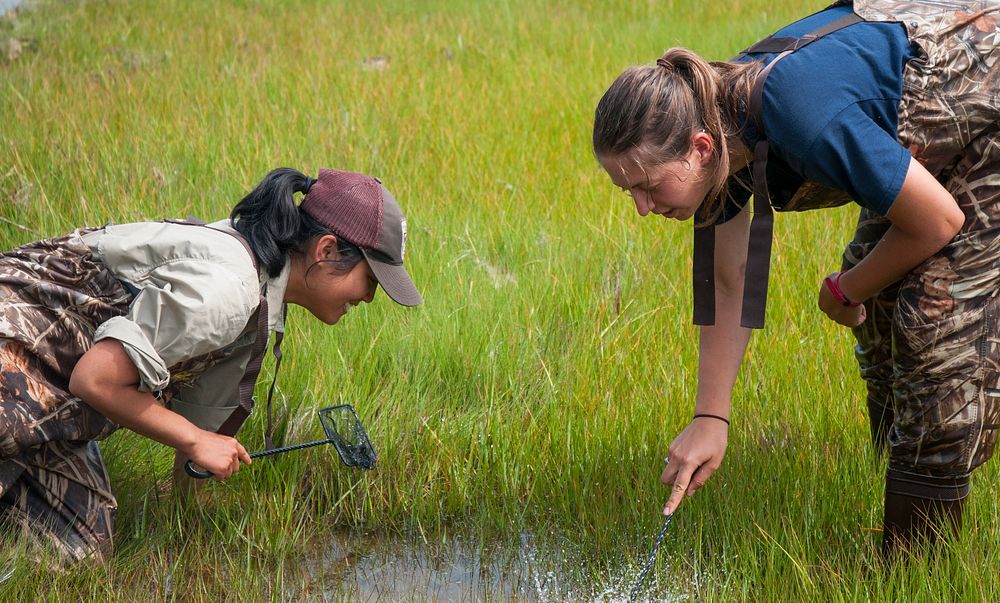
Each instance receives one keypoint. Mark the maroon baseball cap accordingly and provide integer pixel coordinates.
(362, 211)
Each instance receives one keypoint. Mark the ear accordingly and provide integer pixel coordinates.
(325, 248)
(703, 146)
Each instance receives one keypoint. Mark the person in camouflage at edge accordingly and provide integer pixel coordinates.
(151, 326)
(894, 104)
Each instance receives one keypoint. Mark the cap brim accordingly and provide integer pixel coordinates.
(395, 281)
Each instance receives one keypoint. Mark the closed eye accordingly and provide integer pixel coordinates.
(642, 188)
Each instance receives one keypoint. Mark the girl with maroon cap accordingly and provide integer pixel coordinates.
(160, 327)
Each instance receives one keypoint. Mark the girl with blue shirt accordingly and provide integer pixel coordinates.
(891, 104)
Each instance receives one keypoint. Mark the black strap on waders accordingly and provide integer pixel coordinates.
(762, 224)
(239, 416)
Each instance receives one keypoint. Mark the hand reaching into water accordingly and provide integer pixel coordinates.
(694, 456)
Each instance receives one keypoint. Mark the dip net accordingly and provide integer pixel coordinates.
(348, 436)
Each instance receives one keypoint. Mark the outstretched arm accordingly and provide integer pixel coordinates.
(924, 217)
(697, 452)
(106, 379)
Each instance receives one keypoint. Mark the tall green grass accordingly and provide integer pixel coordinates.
(539, 386)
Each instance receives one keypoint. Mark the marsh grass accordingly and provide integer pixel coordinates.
(538, 387)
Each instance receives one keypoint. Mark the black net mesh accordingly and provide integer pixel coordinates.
(348, 436)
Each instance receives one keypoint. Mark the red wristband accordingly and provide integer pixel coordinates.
(833, 286)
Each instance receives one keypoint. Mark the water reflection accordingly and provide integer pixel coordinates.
(359, 566)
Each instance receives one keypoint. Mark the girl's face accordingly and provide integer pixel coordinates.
(325, 293)
(674, 189)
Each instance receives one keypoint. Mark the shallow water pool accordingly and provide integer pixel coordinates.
(371, 567)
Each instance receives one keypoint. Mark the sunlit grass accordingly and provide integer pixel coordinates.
(538, 387)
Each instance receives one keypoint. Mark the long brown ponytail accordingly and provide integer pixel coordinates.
(654, 110)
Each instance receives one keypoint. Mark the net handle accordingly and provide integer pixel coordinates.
(190, 469)
(196, 473)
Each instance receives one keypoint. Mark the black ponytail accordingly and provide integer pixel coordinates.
(273, 225)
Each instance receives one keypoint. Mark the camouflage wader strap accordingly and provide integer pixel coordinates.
(239, 416)
(762, 224)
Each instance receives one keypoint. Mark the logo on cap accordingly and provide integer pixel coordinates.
(402, 244)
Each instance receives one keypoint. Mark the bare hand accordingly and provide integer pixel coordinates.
(694, 455)
(219, 454)
(849, 316)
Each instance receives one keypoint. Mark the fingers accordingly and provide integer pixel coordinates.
(223, 456)
(852, 317)
(700, 477)
(231, 466)
(849, 317)
(669, 472)
(238, 455)
(685, 481)
(222, 473)
(243, 454)
(837, 312)
(681, 481)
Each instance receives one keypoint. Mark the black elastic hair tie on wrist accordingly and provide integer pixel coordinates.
(702, 414)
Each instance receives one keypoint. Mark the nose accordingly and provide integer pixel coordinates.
(371, 294)
(642, 205)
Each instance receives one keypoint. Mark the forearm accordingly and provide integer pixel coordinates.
(892, 258)
(924, 219)
(143, 414)
(720, 352)
(107, 381)
(721, 346)
(697, 452)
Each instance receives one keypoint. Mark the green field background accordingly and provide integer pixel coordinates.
(554, 360)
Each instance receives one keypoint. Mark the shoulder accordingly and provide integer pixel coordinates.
(144, 246)
(181, 256)
(810, 87)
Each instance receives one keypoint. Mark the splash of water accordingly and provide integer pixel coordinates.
(546, 568)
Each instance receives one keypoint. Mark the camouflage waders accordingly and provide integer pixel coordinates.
(52, 477)
(929, 350)
(53, 296)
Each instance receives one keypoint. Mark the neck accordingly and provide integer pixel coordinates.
(296, 279)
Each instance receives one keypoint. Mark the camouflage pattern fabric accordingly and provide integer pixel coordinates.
(930, 348)
(53, 296)
(52, 478)
(60, 491)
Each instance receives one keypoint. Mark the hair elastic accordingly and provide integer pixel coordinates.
(710, 416)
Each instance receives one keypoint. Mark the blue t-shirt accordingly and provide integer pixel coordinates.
(830, 110)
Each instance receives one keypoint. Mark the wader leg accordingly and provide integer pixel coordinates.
(912, 522)
(60, 492)
(873, 350)
(879, 422)
(946, 354)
